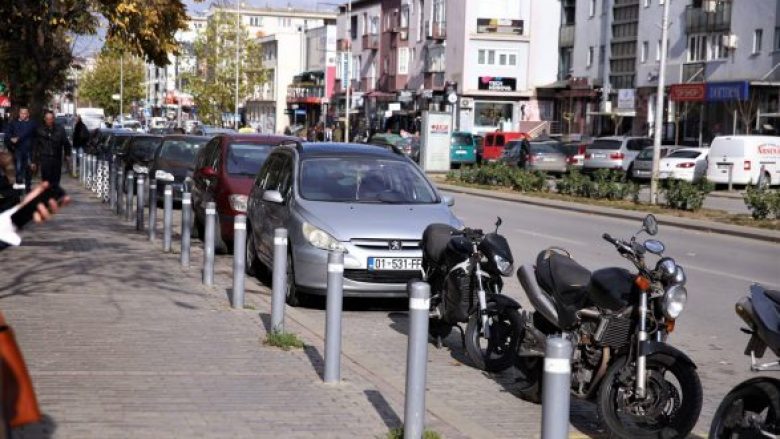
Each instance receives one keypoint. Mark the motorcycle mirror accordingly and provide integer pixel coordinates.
(654, 246)
(499, 221)
(650, 225)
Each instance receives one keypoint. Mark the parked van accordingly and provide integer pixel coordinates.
(745, 156)
(463, 149)
(494, 144)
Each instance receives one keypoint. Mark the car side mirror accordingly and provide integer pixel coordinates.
(208, 171)
(273, 197)
(449, 201)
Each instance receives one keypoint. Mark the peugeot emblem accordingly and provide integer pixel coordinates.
(395, 245)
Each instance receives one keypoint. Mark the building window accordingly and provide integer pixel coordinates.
(481, 56)
(439, 12)
(658, 51)
(421, 27)
(404, 19)
(717, 49)
(777, 38)
(491, 57)
(374, 25)
(512, 60)
(758, 34)
(403, 60)
(643, 53)
(502, 59)
(591, 8)
(353, 27)
(697, 48)
(490, 114)
(660, 2)
(589, 59)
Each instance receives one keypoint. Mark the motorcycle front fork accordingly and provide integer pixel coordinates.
(641, 360)
(482, 297)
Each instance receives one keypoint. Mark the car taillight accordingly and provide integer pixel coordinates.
(571, 160)
(747, 165)
(686, 165)
(581, 149)
(616, 156)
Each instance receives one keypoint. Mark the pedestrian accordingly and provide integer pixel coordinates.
(338, 134)
(80, 136)
(51, 144)
(19, 138)
(328, 133)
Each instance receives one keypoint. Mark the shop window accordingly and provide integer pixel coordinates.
(491, 114)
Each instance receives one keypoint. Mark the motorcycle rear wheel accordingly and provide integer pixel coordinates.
(500, 351)
(757, 399)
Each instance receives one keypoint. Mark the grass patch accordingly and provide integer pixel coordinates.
(398, 433)
(284, 340)
(252, 307)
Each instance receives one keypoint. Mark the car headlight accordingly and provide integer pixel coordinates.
(238, 202)
(319, 238)
(163, 175)
(674, 301)
(139, 169)
(504, 266)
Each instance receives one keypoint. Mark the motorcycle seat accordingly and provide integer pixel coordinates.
(434, 242)
(567, 282)
(773, 295)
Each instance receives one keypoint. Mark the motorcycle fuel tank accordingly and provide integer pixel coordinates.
(611, 288)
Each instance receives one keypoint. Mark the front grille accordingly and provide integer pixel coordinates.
(382, 277)
(615, 333)
(384, 244)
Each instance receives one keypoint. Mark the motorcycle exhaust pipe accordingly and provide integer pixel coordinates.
(540, 301)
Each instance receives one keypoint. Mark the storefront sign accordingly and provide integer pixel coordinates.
(687, 92)
(496, 83)
(625, 99)
(727, 91)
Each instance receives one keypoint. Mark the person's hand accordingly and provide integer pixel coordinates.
(14, 139)
(44, 212)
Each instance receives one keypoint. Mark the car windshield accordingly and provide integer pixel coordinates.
(543, 148)
(144, 146)
(364, 180)
(646, 154)
(117, 142)
(604, 144)
(684, 154)
(461, 140)
(246, 158)
(512, 147)
(181, 150)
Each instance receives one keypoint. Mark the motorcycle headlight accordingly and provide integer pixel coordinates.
(238, 202)
(319, 238)
(504, 266)
(139, 169)
(163, 175)
(679, 277)
(674, 301)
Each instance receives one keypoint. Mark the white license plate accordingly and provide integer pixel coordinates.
(724, 165)
(461, 152)
(548, 159)
(599, 156)
(394, 264)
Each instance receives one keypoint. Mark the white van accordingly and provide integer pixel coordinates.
(745, 156)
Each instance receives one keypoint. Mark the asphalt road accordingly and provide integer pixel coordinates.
(719, 268)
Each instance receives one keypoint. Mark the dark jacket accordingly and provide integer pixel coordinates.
(80, 135)
(51, 143)
(24, 130)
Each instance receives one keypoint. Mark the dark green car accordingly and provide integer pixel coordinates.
(463, 149)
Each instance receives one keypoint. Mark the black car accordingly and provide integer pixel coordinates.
(116, 142)
(98, 139)
(138, 153)
(174, 161)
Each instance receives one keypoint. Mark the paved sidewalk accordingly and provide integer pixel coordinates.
(121, 342)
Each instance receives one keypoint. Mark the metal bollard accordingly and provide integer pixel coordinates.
(112, 195)
(555, 388)
(86, 170)
(208, 244)
(416, 359)
(129, 195)
(73, 162)
(279, 281)
(152, 209)
(140, 204)
(120, 194)
(167, 217)
(81, 166)
(239, 259)
(333, 308)
(186, 228)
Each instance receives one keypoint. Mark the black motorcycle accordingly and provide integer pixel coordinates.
(464, 269)
(618, 322)
(752, 409)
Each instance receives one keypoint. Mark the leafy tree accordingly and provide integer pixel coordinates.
(214, 80)
(36, 37)
(98, 85)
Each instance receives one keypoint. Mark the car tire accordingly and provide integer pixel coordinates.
(293, 297)
(251, 263)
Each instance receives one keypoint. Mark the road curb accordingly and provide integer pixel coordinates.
(668, 220)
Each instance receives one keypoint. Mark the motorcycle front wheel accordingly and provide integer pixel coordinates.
(499, 351)
(669, 410)
(750, 410)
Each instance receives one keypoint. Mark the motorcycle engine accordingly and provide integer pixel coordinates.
(587, 357)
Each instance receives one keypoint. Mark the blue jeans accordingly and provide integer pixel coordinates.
(23, 157)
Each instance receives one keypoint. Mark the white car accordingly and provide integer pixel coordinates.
(743, 159)
(689, 164)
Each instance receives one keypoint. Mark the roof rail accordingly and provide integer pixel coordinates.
(297, 144)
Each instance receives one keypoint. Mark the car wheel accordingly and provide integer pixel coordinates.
(293, 296)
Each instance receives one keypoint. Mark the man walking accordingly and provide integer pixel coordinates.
(19, 138)
(51, 143)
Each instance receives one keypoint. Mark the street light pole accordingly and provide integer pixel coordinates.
(121, 88)
(238, 29)
(659, 106)
(349, 70)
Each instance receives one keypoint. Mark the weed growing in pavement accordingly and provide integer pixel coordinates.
(284, 340)
(398, 433)
(252, 307)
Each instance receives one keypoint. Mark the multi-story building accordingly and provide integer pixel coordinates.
(722, 66)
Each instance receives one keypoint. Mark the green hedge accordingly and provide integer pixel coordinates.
(683, 195)
(762, 202)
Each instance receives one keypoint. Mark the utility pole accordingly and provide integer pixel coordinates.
(122, 88)
(348, 80)
(238, 65)
(659, 106)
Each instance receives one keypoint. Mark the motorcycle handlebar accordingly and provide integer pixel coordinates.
(607, 237)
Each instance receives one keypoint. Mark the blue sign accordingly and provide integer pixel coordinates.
(727, 91)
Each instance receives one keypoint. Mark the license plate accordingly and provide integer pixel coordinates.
(394, 264)
(548, 159)
(461, 152)
(724, 165)
(599, 156)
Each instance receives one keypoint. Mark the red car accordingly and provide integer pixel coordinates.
(224, 171)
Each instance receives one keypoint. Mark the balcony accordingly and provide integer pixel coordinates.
(434, 81)
(338, 86)
(566, 36)
(436, 30)
(370, 42)
(693, 72)
(392, 83)
(699, 20)
(366, 84)
(309, 94)
(343, 45)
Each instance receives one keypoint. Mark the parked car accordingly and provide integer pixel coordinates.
(223, 173)
(463, 149)
(617, 153)
(174, 161)
(116, 142)
(574, 152)
(129, 124)
(208, 130)
(535, 155)
(494, 144)
(642, 168)
(138, 153)
(370, 202)
(745, 157)
(689, 164)
(387, 140)
(98, 139)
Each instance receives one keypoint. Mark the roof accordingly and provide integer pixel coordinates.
(253, 137)
(185, 137)
(320, 149)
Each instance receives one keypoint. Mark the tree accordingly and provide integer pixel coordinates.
(36, 37)
(746, 111)
(213, 82)
(98, 85)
